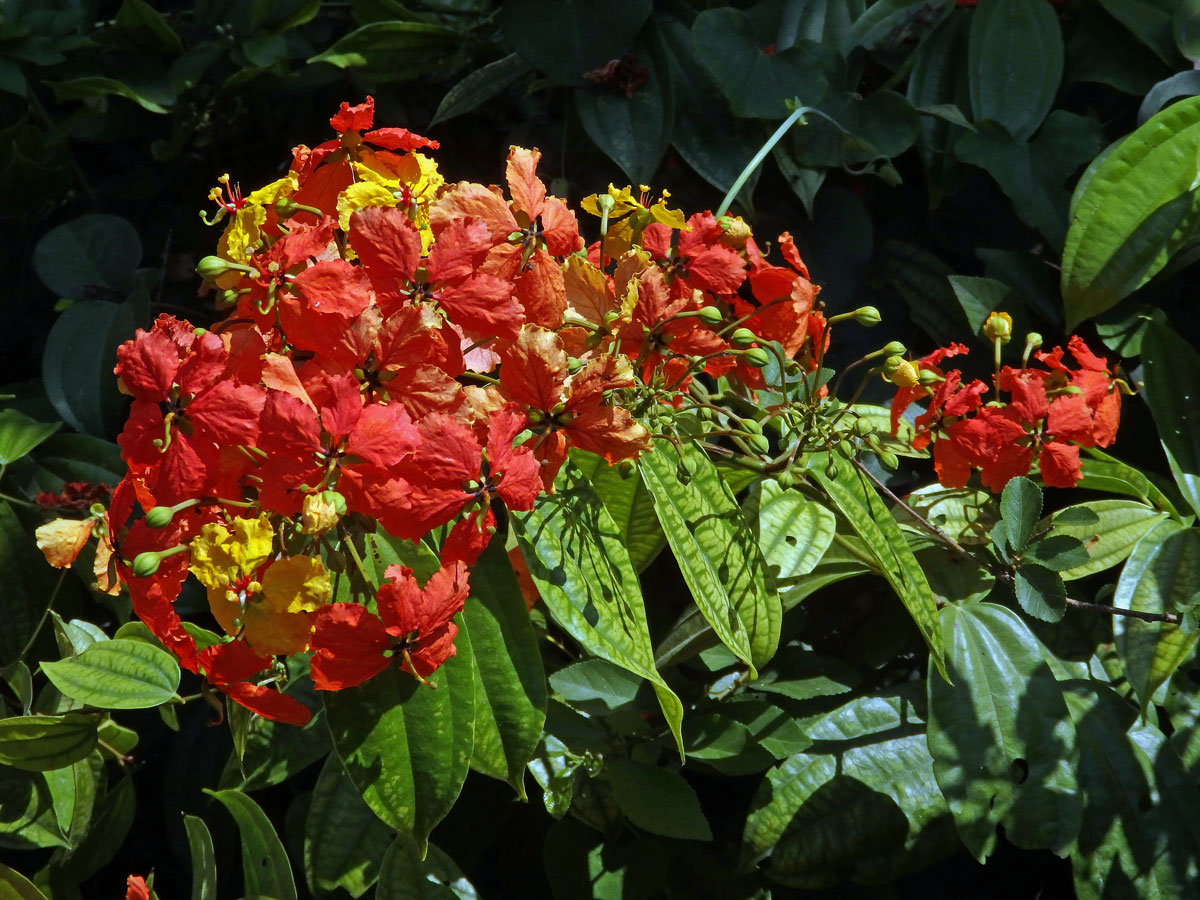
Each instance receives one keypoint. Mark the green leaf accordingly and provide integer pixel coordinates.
(77, 365)
(405, 876)
(716, 551)
(510, 694)
(856, 499)
(117, 674)
(1150, 22)
(657, 799)
(583, 574)
(1118, 526)
(627, 500)
(73, 794)
(19, 434)
(978, 298)
(803, 675)
(1171, 371)
(595, 685)
(269, 753)
(1102, 472)
(1161, 575)
(204, 859)
(566, 38)
(1058, 552)
(938, 77)
(111, 820)
(480, 86)
(1040, 592)
(15, 886)
(1136, 210)
(921, 279)
(1020, 509)
(1182, 84)
(265, 866)
(155, 101)
(27, 819)
(714, 736)
(1002, 743)
(141, 25)
(1015, 61)
(96, 250)
(405, 746)
(398, 50)
(38, 743)
(17, 676)
(793, 531)
(758, 84)
(344, 841)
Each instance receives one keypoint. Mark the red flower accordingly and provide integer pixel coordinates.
(136, 888)
(229, 667)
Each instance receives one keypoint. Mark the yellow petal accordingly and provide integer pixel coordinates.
(217, 552)
(62, 540)
(297, 584)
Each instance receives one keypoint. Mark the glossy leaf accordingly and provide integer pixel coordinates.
(77, 365)
(510, 695)
(27, 819)
(1134, 212)
(117, 674)
(1002, 743)
(1015, 61)
(405, 746)
(566, 38)
(1119, 525)
(1171, 370)
(1105, 473)
(73, 794)
(38, 743)
(344, 841)
(595, 685)
(1040, 592)
(204, 859)
(265, 866)
(867, 514)
(627, 500)
(1020, 509)
(657, 799)
(716, 551)
(1162, 575)
(480, 86)
(19, 434)
(793, 531)
(583, 573)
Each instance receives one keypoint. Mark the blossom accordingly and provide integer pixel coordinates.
(229, 667)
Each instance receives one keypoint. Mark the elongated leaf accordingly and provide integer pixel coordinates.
(595, 686)
(268, 753)
(657, 799)
(1133, 214)
(1015, 60)
(405, 746)
(38, 743)
(627, 500)
(481, 86)
(204, 859)
(77, 366)
(1002, 743)
(27, 819)
(1105, 473)
(112, 818)
(19, 434)
(869, 517)
(405, 44)
(1119, 526)
(1020, 509)
(265, 866)
(28, 584)
(717, 553)
(15, 886)
(1161, 575)
(117, 674)
(155, 101)
(73, 793)
(583, 573)
(344, 841)
(510, 695)
(1171, 369)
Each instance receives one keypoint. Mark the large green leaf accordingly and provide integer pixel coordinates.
(38, 743)
(15, 886)
(583, 574)
(1015, 61)
(937, 78)
(1003, 745)
(117, 674)
(717, 552)
(404, 875)
(480, 86)
(93, 251)
(1162, 575)
(73, 793)
(567, 38)
(406, 746)
(265, 867)
(1171, 369)
(624, 495)
(510, 694)
(1119, 525)
(867, 514)
(344, 841)
(1102, 472)
(27, 819)
(28, 584)
(1138, 836)
(657, 799)
(793, 531)
(1137, 209)
(77, 365)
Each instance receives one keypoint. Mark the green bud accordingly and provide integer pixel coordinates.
(605, 203)
(895, 348)
(574, 364)
(863, 428)
(831, 470)
(888, 460)
(759, 443)
(146, 564)
(710, 316)
(1033, 340)
(868, 316)
(157, 517)
(751, 426)
(845, 449)
(785, 479)
(929, 377)
(756, 357)
(743, 338)
(212, 267)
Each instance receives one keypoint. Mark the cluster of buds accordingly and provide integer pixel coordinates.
(404, 355)
(1052, 410)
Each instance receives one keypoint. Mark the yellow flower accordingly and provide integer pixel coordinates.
(411, 182)
(266, 601)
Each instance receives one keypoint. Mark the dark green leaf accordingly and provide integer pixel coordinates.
(344, 842)
(1020, 507)
(265, 866)
(595, 685)
(77, 365)
(95, 250)
(1015, 60)
(657, 799)
(713, 736)
(111, 821)
(480, 86)
(566, 38)
(73, 794)
(803, 675)
(1171, 369)
(1002, 743)
(204, 860)
(1150, 22)
(1058, 552)
(979, 297)
(89, 86)
(145, 28)
(628, 502)
(17, 676)
(405, 876)
(405, 746)
(117, 674)
(27, 818)
(1183, 84)
(268, 753)
(391, 51)
(38, 743)
(938, 77)
(15, 886)
(1040, 592)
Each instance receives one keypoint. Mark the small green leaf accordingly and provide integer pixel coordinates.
(595, 685)
(19, 434)
(978, 298)
(1040, 592)
(204, 859)
(38, 743)
(265, 866)
(480, 86)
(117, 674)
(714, 736)
(1058, 552)
(657, 799)
(155, 101)
(73, 794)
(1020, 507)
(344, 841)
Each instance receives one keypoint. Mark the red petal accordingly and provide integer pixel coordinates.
(349, 641)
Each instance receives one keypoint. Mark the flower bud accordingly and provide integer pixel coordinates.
(929, 377)
(605, 203)
(574, 364)
(785, 479)
(862, 427)
(1033, 340)
(831, 470)
(146, 564)
(743, 338)
(756, 357)
(710, 316)
(868, 316)
(157, 517)
(888, 460)
(901, 372)
(998, 327)
(845, 449)
(751, 426)
(895, 348)
(759, 443)
(212, 267)
(321, 512)
(734, 232)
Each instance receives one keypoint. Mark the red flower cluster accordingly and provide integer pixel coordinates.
(410, 353)
(1051, 413)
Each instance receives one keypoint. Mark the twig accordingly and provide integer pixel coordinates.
(1169, 618)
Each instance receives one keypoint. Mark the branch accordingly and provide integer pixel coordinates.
(1169, 618)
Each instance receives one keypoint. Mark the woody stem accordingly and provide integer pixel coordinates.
(1169, 618)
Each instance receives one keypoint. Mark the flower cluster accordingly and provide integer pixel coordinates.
(1052, 411)
(405, 354)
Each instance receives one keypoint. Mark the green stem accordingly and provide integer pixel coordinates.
(45, 615)
(766, 148)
